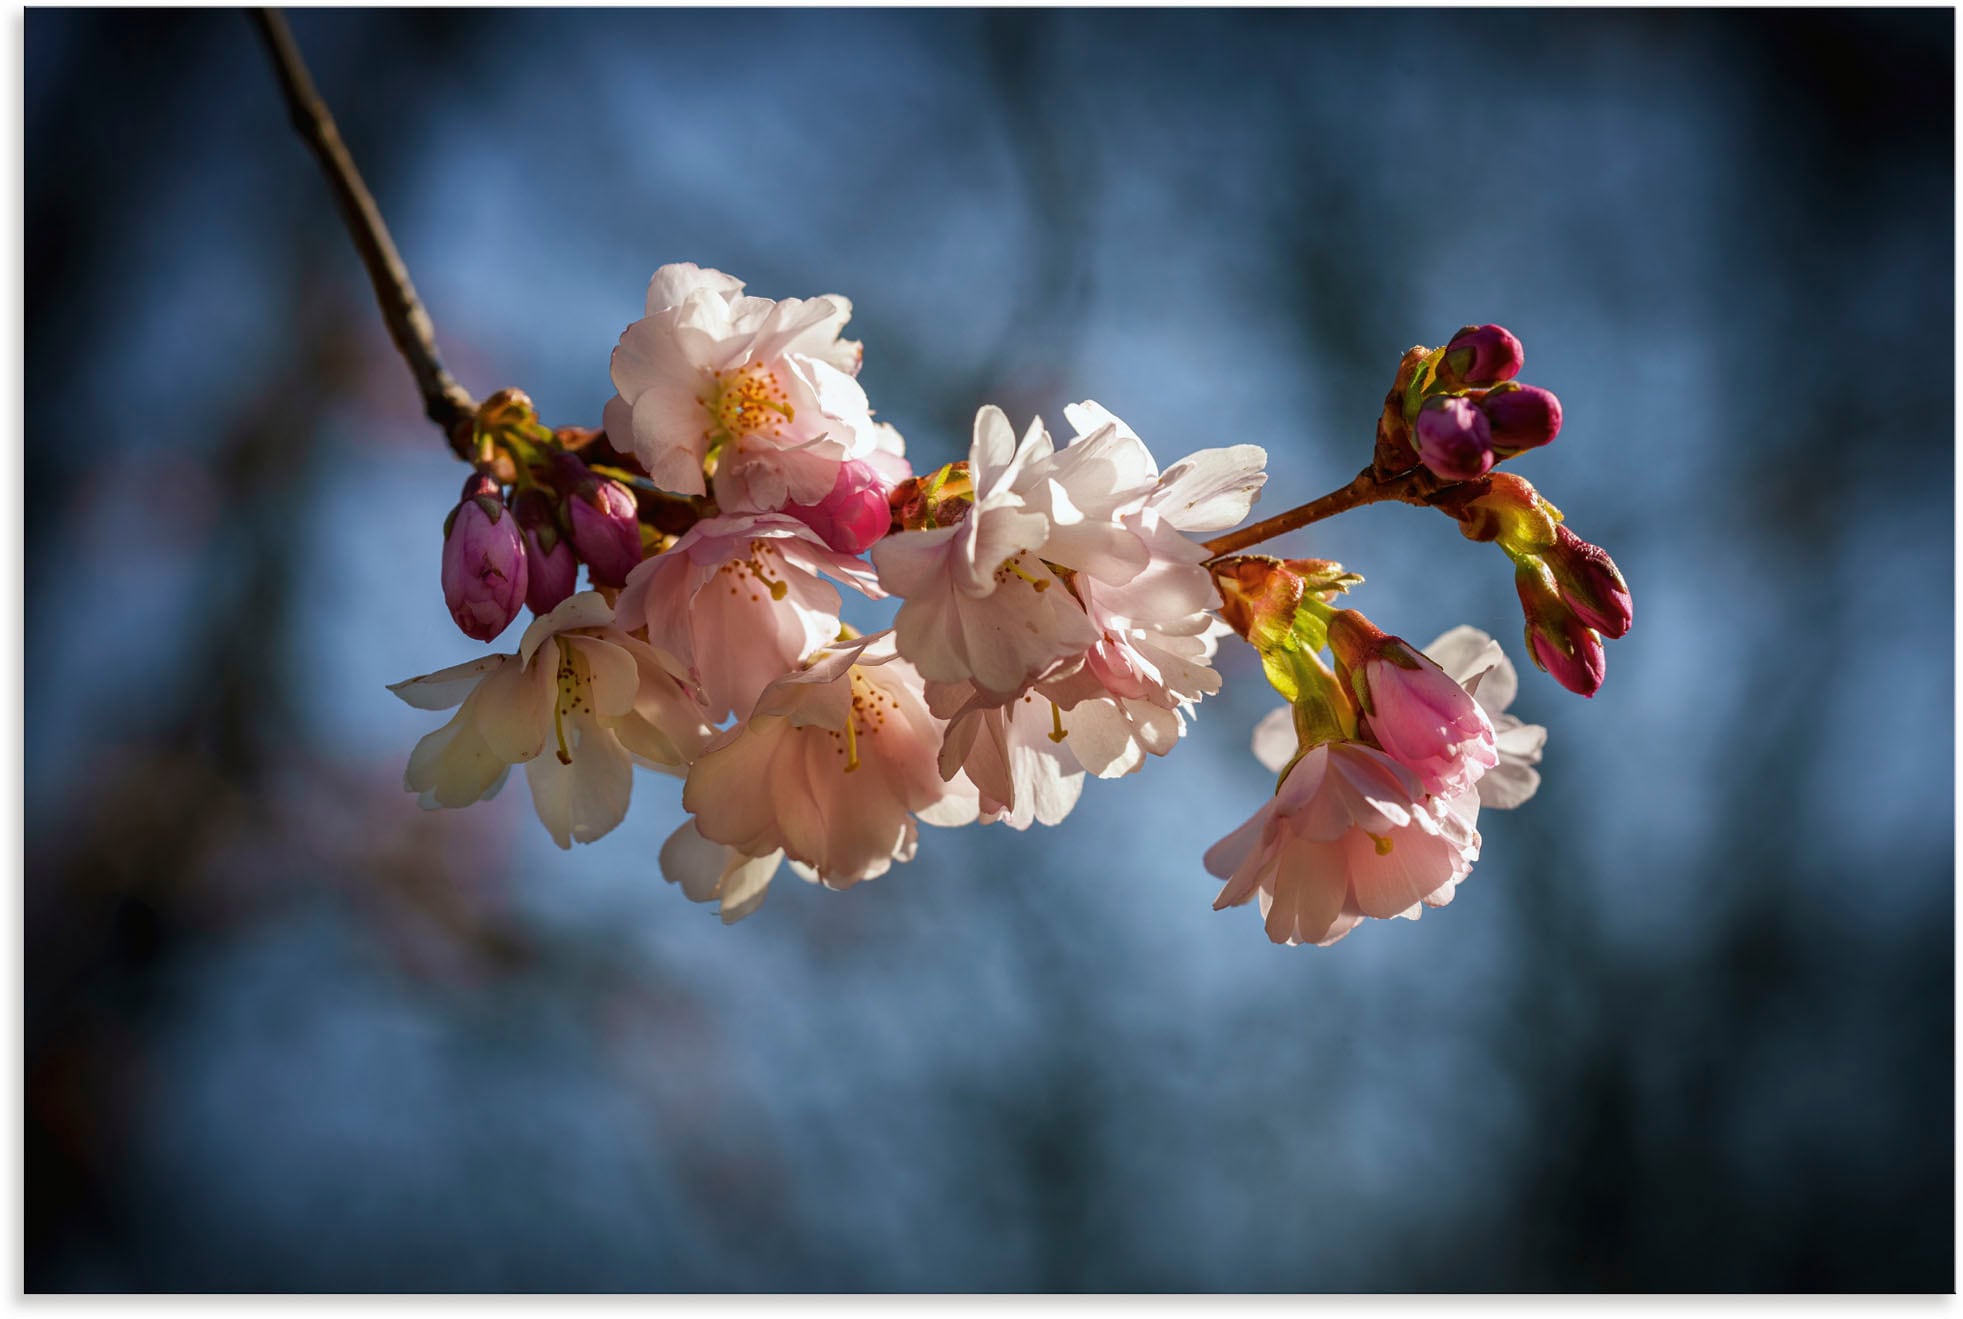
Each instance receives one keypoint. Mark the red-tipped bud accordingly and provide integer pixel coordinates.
(854, 515)
(1454, 439)
(1589, 583)
(605, 522)
(1521, 417)
(484, 575)
(1561, 644)
(1481, 355)
(551, 567)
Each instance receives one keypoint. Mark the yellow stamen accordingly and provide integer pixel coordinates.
(851, 741)
(1056, 722)
(573, 682)
(1383, 843)
(1040, 583)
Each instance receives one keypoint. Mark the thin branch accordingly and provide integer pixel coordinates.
(1413, 487)
(445, 401)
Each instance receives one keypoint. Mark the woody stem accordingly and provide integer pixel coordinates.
(1413, 487)
(446, 402)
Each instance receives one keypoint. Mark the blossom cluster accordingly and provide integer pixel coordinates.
(1058, 615)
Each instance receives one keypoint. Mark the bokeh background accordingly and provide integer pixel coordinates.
(1689, 1025)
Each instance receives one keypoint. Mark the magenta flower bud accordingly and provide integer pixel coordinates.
(551, 566)
(1416, 711)
(1561, 644)
(1589, 583)
(1521, 417)
(606, 529)
(854, 515)
(484, 574)
(1454, 439)
(1481, 355)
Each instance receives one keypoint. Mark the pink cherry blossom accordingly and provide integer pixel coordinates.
(1350, 833)
(737, 601)
(579, 705)
(764, 387)
(833, 766)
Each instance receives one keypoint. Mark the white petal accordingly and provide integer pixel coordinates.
(446, 687)
(1275, 742)
(586, 609)
(1213, 489)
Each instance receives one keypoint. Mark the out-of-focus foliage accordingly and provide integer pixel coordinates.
(1688, 1024)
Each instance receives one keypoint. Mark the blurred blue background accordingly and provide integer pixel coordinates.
(1689, 1024)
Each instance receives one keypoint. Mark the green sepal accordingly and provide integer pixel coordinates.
(1421, 382)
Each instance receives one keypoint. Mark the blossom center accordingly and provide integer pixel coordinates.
(1011, 568)
(868, 715)
(756, 568)
(745, 400)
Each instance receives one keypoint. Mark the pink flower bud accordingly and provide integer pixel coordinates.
(854, 515)
(1418, 713)
(551, 566)
(1521, 417)
(1481, 355)
(1561, 644)
(1589, 584)
(606, 524)
(1454, 439)
(484, 575)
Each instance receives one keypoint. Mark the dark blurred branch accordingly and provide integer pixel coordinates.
(445, 401)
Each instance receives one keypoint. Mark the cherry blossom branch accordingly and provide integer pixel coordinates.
(446, 402)
(1416, 486)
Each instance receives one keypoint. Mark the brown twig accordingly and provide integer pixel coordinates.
(447, 403)
(1413, 487)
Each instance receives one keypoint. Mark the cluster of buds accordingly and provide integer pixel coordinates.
(1571, 591)
(1458, 409)
(531, 513)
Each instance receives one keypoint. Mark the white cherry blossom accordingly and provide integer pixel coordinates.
(579, 705)
(979, 604)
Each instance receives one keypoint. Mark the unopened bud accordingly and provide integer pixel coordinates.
(552, 568)
(854, 515)
(1481, 355)
(484, 574)
(1589, 583)
(606, 529)
(1454, 440)
(941, 498)
(1521, 417)
(1507, 510)
(1258, 595)
(1561, 644)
